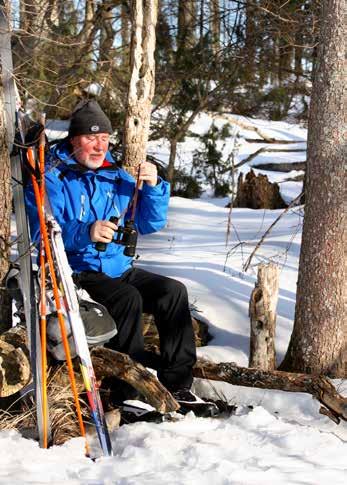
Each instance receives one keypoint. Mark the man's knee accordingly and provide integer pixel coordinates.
(129, 300)
(133, 297)
(175, 288)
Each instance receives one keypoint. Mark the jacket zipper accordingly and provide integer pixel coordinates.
(83, 200)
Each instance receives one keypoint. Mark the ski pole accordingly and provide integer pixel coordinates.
(43, 309)
(71, 305)
(44, 232)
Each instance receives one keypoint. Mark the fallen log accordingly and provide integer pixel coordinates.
(108, 363)
(280, 142)
(295, 178)
(275, 167)
(284, 167)
(319, 387)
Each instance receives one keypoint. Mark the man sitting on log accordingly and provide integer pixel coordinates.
(86, 188)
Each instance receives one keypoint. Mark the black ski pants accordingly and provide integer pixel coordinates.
(140, 291)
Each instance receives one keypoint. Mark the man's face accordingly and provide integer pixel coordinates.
(90, 150)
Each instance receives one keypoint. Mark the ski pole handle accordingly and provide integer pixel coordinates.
(101, 246)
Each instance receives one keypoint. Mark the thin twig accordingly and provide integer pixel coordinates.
(266, 233)
(231, 199)
(232, 159)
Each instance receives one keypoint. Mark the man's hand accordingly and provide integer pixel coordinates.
(148, 173)
(102, 231)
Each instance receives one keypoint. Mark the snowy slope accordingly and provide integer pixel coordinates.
(278, 130)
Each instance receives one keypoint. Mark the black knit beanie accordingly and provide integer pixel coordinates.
(88, 118)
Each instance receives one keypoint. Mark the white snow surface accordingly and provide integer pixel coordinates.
(274, 437)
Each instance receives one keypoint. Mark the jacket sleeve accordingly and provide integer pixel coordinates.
(151, 214)
(75, 233)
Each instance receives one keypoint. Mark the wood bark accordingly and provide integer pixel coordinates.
(141, 86)
(262, 312)
(5, 215)
(318, 342)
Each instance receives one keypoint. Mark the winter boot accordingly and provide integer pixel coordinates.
(191, 402)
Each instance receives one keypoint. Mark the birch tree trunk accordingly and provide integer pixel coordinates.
(5, 208)
(5, 221)
(141, 88)
(318, 342)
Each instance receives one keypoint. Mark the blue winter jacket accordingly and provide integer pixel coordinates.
(80, 196)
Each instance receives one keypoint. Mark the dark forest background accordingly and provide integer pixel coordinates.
(252, 58)
(246, 57)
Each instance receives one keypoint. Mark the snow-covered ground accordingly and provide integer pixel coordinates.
(279, 130)
(274, 437)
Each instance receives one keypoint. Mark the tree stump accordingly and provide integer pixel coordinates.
(262, 312)
(14, 362)
(256, 192)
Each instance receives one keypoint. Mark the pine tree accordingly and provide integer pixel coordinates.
(318, 342)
